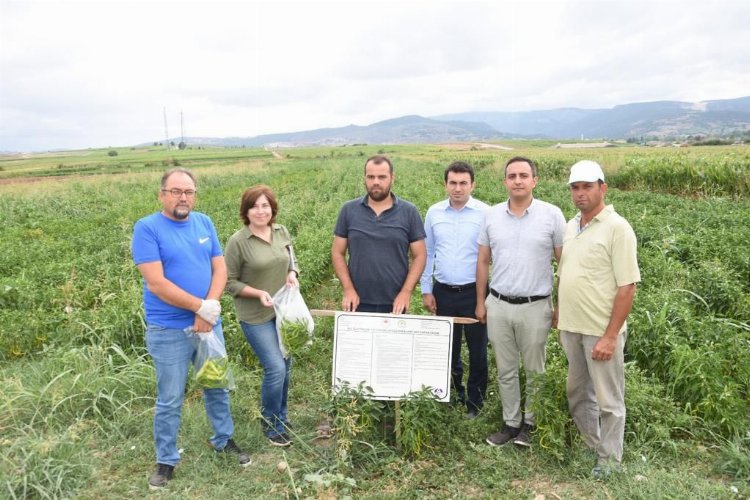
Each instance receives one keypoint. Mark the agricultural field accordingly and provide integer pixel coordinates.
(78, 387)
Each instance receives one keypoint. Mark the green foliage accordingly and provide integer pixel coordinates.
(421, 424)
(50, 410)
(735, 458)
(327, 482)
(653, 419)
(681, 173)
(37, 466)
(555, 431)
(78, 387)
(112, 152)
(354, 420)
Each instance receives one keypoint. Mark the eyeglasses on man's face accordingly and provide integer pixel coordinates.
(177, 193)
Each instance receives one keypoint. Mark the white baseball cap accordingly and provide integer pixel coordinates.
(586, 171)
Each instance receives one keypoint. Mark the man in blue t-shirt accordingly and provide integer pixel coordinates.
(178, 254)
(378, 231)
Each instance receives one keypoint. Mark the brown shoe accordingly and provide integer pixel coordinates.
(506, 434)
(524, 436)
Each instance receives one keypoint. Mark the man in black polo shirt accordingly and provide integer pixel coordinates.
(378, 231)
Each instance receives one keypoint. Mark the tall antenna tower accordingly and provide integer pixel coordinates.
(182, 131)
(166, 130)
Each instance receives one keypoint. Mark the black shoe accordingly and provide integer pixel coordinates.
(280, 440)
(506, 434)
(524, 436)
(161, 476)
(231, 447)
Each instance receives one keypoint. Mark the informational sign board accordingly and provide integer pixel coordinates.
(393, 354)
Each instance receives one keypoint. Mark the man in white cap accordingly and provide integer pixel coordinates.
(598, 274)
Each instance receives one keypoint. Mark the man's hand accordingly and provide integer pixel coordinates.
(350, 302)
(209, 310)
(481, 312)
(201, 325)
(402, 302)
(428, 301)
(555, 317)
(604, 348)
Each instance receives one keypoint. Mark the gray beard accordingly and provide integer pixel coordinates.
(180, 213)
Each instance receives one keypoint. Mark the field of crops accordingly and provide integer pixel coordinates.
(78, 388)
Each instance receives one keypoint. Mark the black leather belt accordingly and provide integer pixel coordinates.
(517, 300)
(455, 288)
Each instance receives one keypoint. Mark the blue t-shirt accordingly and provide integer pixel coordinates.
(379, 246)
(185, 249)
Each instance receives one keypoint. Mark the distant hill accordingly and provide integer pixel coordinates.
(404, 130)
(653, 120)
(660, 119)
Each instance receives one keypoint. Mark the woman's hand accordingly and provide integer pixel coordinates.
(291, 279)
(265, 299)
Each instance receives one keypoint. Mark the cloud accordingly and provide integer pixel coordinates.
(77, 74)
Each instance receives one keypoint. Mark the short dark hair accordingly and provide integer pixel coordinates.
(521, 159)
(251, 195)
(176, 170)
(459, 167)
(377, 160)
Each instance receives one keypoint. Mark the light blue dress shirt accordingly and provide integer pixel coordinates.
(451, 242)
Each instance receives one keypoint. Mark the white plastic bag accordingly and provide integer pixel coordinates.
(211, 366)
(293, 319)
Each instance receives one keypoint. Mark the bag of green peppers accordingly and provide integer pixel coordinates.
(294, 323)
(211, 366)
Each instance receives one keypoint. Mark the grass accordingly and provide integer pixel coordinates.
(78, 388)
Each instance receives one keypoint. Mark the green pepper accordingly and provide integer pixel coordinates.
(214, 374)
(294, 336)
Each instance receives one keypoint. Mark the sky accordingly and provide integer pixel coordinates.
(104, 73)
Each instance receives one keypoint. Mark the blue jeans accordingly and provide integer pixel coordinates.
(172, 350)
(276, 373)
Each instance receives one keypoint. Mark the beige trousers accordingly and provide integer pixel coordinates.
(596, 394)
(518, 332)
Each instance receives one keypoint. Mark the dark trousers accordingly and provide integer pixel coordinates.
(463, 303)
(375, 308)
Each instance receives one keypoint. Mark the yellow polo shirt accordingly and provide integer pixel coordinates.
(594, 263)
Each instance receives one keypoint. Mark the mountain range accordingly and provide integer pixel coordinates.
(651, 120)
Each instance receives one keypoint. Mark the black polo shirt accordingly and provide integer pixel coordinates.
(378, 246)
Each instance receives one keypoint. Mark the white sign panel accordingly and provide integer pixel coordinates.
(393, 354)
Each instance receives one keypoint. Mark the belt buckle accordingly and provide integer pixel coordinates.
(513, 299)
